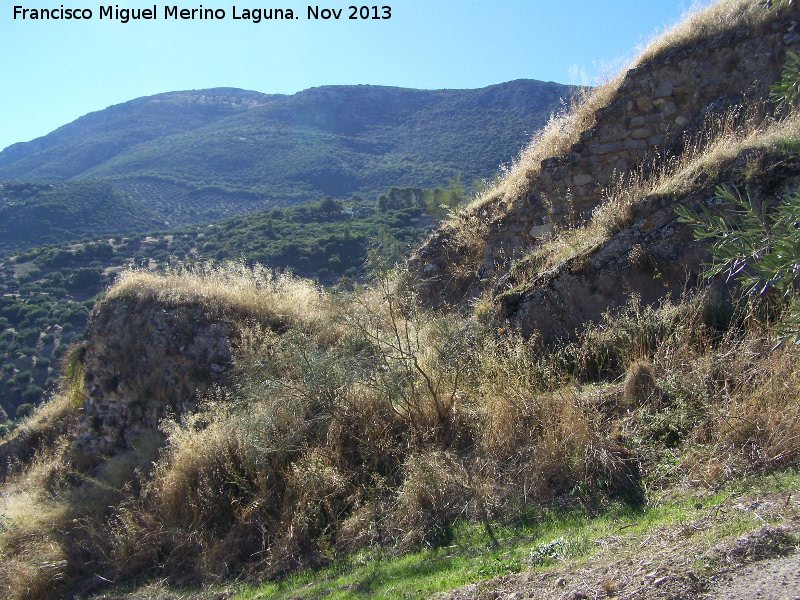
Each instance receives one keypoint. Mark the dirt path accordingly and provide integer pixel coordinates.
(681, 562)
(775, 579)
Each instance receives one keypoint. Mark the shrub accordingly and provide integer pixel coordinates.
(22, 378)
(24, 410)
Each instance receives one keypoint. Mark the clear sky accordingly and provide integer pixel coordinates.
(52, 72)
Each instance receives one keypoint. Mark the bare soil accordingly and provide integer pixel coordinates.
(776, 579)
(681, 562)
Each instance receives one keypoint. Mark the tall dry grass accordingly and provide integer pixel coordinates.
(554, 140)
(564, 129)
(703, 21)
(408, 421)
(744, 130)
(565, 126)
(232, 289)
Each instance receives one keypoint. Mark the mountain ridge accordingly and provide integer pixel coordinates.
(199, 155)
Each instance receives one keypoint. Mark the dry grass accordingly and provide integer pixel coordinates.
(387, 435)
(32, 549)
(565, 127)
(705, 22)
(232, 289)
(554, 140)
(41, 430)
(739, 131)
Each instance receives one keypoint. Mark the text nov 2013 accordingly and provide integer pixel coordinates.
(174, 12)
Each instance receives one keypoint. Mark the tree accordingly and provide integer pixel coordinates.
(456, 189)
(331, 206)
(758, 249)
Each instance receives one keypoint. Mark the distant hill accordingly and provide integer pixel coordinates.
(196, 156)
(48, 213)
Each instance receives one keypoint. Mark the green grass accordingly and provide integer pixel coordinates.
(538, 542)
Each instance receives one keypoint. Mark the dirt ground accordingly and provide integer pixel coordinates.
(775, 579)
(676, 563)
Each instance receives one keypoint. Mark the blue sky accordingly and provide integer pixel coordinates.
(52, 72)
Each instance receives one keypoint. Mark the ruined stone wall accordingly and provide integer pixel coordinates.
(143, 361)
(659, 106)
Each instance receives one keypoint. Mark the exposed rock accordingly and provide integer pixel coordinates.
(144, 361)
(661, 104)
(655, 257)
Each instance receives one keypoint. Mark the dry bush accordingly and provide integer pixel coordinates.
(434, 491)
(605, 350)
(639, 383)
(416, 360)
(733, 403)
(548, 444)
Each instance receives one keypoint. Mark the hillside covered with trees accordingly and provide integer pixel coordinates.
(201, 155)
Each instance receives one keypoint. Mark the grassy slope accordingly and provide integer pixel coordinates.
(662, 407)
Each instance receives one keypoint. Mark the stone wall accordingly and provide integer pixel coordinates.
(656, 256)
(659, 106)
(142, 362)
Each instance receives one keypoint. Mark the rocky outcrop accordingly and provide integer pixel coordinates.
(657, 256)
(660, 105)
(143, 361)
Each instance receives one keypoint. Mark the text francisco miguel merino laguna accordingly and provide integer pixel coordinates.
(174, 12)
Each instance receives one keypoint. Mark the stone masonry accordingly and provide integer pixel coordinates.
(660, 106)
(144, 361)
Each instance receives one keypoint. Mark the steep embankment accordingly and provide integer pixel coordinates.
(679, 101)
(345, 429)
(200, 155)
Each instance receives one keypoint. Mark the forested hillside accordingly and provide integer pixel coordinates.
(202, 155)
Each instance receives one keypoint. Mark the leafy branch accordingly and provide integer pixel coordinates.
(759, 249)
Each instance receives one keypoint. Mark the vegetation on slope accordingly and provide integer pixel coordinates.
(556, 138)
(359, 422)
(226, 152)
(34, 214)
(47, 292)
